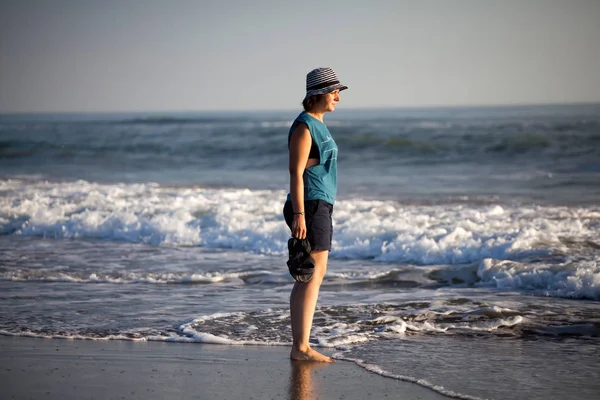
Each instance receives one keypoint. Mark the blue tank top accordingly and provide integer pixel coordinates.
(320, 181)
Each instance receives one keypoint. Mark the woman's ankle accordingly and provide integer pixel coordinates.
(301, 347)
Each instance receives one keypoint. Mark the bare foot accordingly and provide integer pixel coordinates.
(309, 355)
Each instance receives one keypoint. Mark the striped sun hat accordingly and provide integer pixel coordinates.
(321, 81)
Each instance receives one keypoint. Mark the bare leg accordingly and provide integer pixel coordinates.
(303, 302)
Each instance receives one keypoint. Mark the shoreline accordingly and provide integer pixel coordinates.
(89, 369)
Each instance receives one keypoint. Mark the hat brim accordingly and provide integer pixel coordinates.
(325, 90)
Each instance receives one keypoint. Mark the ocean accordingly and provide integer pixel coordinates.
(466, 249)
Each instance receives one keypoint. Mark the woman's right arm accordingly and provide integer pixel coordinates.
(300, 142)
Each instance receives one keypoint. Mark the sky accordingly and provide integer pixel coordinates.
(176, 55)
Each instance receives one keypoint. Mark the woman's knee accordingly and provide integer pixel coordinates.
(320, 257)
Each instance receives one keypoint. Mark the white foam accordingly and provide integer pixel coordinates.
(191, 334)
(454, 234)
(251, 221)
(73, 336)
(578, 279)
(145, 213)
(51, 275)
(265, 327)
(248, 220)
(487, 326)
(422, 382)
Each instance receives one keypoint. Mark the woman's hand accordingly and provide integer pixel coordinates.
(299, 227)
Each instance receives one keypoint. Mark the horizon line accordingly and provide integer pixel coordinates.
(415, 107)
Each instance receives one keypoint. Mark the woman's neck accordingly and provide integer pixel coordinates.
(316, 115)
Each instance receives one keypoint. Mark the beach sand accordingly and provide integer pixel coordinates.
(87, 369)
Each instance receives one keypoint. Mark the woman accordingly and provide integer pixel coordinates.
(313, 188)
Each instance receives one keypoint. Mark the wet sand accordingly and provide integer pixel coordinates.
(86, 369)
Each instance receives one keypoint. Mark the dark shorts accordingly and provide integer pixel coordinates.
(319, 228)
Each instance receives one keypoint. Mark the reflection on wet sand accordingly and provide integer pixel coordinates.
(301, 385)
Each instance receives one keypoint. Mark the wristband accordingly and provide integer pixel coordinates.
(300, 213)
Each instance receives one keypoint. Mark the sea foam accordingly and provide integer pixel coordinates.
(250, 220)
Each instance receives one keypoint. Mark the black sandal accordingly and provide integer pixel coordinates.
(301, 264)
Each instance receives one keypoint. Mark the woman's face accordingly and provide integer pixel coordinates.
(328, 101)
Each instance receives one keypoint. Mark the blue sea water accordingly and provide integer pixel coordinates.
(466, 254)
